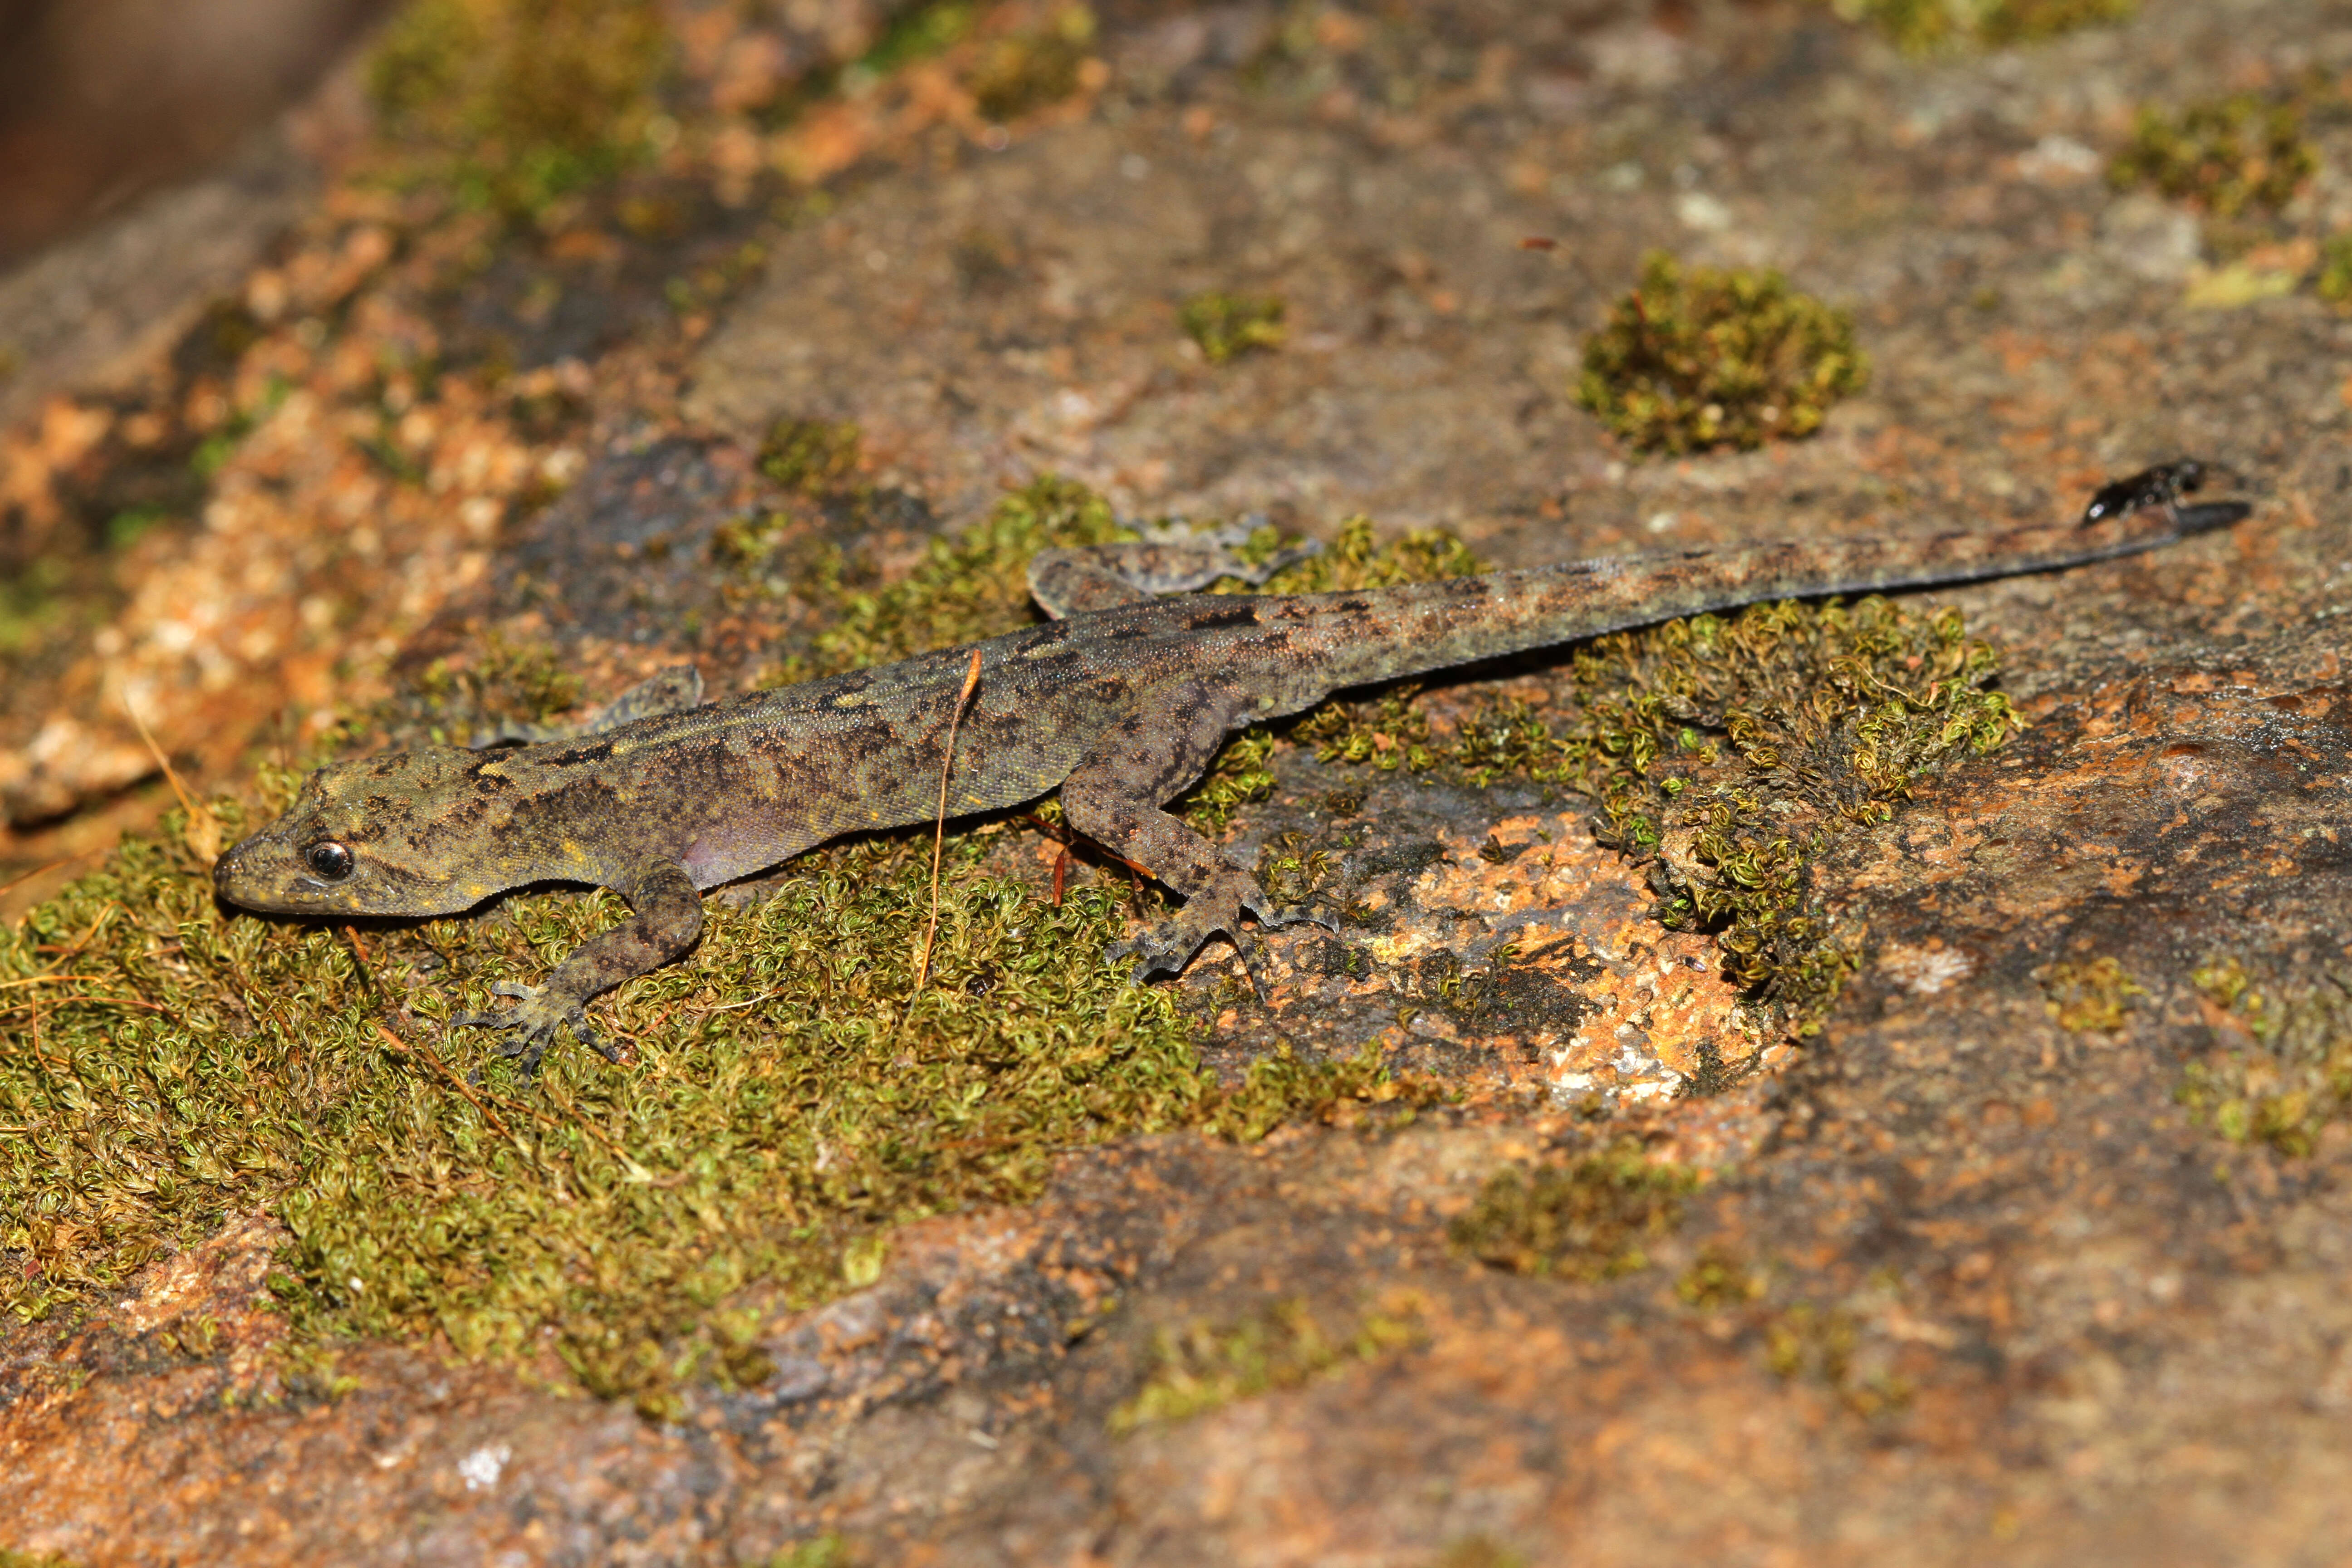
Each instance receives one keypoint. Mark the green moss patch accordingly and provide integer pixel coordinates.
(1717, 1280)
(1034, 68)
(2241, 155)
(812, 456)
(508, 683)
(2089, 994)
(971, 586)
(521, 101)
(1227, 326)
(1926, 27)
(1205, 1366)
(1702, 357)
(1728, 752)
(1821, 1345)
(2333, 281)
(1590, 1220)
(2287, 1074)
(827, 1551)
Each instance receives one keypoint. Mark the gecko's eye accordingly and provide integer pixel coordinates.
(329, 860)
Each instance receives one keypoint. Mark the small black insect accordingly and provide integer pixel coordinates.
(2163, 486)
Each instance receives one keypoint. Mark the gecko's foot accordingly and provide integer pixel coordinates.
(1237, 534)
(1218, 546)
(533, 1021)
(1166, 946)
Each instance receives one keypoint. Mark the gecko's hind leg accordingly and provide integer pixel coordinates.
(1113, 796)
(667, 920)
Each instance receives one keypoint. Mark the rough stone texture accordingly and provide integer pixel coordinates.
(140, 264)
(2021, 1306)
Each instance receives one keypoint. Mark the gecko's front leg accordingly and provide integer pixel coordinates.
(667, 921)
(1114, 795)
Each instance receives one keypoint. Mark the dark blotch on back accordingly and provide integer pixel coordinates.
(1209, 620)
(579, 754)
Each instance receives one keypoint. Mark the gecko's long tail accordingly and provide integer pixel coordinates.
(1439, 625)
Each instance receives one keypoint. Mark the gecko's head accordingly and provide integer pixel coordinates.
(408, 833)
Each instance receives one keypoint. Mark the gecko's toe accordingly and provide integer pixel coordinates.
(1275, 916)
(1304, 551)
(1154, 954)
(1164, 948)
(1251, 950)
(532, 1024)
(620, 1053)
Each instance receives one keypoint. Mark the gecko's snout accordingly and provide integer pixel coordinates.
(233, 879)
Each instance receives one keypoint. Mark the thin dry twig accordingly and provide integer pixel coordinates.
(939, 833)
(41, 1012)
(360, 963)
(8, 888)
(204, 828)
(427, 1056)
(45, 980)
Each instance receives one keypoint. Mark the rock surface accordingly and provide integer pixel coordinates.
(1986, 1286)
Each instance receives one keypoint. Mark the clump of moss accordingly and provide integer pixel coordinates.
(827, 1551)
(973, 586)
(1590, 1220)
(816, 462)
(508, 684)
(1703, 357)
(811, 456)
(2333, 282)
(1238, 777)
(1727, 753)
(1206, 1367)
(524, 100)
(2233, 156)
(2296, 1078)
(1717, 1281)
(1821, 1343)
(1227, 326)
(1031, 69)
(1926, 27)
(2088, 996)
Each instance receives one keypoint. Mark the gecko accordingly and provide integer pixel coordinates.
(1120, 699)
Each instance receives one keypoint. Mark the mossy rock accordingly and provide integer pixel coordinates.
(2234, 156)
(1928, 27)
(1703, 357)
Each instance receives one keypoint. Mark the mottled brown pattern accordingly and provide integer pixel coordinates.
(1121, 703)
